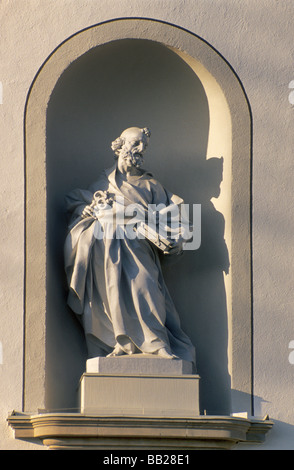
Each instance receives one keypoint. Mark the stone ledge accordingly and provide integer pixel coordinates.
(79, 431)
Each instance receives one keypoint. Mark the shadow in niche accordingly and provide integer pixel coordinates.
(198, 279)
(255, 404)
(114, 86)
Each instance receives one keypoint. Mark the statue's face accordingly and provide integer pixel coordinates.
(135, 143)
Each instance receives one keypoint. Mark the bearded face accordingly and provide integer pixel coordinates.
(131, 152)
(130, 157)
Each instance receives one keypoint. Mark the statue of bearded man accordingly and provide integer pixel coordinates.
(116, 285)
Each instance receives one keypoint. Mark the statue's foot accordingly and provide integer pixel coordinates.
(127, 345)
(118, 351)
(127, 348)
(164, 352)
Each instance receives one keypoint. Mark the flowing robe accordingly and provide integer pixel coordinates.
(116, 284)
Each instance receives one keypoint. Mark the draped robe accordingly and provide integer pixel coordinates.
(116, 285)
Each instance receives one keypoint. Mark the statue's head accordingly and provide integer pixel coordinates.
(131, 144)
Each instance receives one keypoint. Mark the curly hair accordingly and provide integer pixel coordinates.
(117, 144)
(146, 131)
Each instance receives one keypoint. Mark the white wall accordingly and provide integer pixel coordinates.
(256, 38)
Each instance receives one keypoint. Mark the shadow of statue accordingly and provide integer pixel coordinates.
(198, 281)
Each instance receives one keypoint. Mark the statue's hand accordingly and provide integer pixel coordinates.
(88, 212)
(175, 248)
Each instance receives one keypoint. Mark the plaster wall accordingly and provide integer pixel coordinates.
(256, 40)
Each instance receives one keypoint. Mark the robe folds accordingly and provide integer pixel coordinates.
(116, 285)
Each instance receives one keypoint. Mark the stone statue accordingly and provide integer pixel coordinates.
(114, 274)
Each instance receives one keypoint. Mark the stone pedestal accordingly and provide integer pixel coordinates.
(138, 364)
(139, 386)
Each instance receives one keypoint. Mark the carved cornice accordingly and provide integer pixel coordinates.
(79, 431)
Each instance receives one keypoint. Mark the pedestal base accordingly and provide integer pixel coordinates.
(139, 386)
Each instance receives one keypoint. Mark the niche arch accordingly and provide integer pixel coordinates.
(52, 368)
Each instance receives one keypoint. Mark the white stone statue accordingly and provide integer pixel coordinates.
(116, 285)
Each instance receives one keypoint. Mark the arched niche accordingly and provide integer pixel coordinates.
(99, 81)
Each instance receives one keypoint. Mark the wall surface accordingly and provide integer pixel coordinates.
(256, 38)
